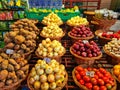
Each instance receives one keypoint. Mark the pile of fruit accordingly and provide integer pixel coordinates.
(77, 21)
(116, 71)
(52, 18)
(47, 76)
(25, 24)
(113, 47)
(12, 71)
(81, 32)
(111, 35)
(21, 41)
(86, 49)
(50, 49)
(93, 79)
(52, 31)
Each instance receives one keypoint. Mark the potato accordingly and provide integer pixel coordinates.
(17, 47)
(9, 82)
(10, 45)
(4, 64)
(12, 61)
(10, 68)
(2, 84)
(3, 74)
(19, 39)
(25, 68)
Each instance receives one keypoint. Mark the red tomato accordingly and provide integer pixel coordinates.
(112, 83)
(82, 73)
(86, 78)
(102, 70)
(109, 86)
(93, 81)
(78, 76)
(103, 88)
(76, 72)
(88, 85)
(96, 77)
(82, 82)
(78, 68)
(101, 82)
(100, 75)
(107, 74)
(85, 70)
(96, 87)
(89, 69)
(105, 79)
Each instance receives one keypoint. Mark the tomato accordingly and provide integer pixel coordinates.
(109, 86)
(101, 82)
(86, 78)
(88, 85)
(93, 81)
(96, 87)
(85, 70)
(112, 83)
(103, 88)
(100, 75)
(82, 73)
(96, 77)
(76, 72)
(102, 70)
(82, 82)
(107, 74)
(105, 79)
(78, 68)
(78, 76)
(89, 69)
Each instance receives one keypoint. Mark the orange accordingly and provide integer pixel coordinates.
(116, 72)
(117, 67)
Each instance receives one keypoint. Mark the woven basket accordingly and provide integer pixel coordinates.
(83, 87)
(57, 58)
(53, 38)
(74, 39)
(58, 88)
(102, 40)
(84, 60)
(115, 59)
(14, 86)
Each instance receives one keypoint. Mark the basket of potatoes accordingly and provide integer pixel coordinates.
(112, 49)
(47, 75)
(12, 72)
(51, 49)
(52, 31)
(52, 18)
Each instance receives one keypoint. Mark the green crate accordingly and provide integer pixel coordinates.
(2, 44)
(34, 15)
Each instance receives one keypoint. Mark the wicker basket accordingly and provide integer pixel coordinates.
(57, 58)
(74, 39)
(115, 59)
(53, 38)
(59, 88)
(102, 40)
(115, 76)
(83, 87)
(14, 86)
(84, 60)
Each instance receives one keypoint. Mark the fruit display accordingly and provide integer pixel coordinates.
(108, 34)
(21, 41)
(77, 21)
(52, 18)
(93, 78)
(47, 76)
(52, 31)
(85, 49)
(81, 32)
(50, 49)
(12, 72)
(116, 72)
(25, 24)
(112, 48)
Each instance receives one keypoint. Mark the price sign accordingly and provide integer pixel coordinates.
(47, 60)
(9, 51)
(90, 73)
(85, 41)
(109, 33)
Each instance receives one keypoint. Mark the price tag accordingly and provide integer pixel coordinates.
(85, 41)
(92, 74)
(88, 73)
(9, 51)
(47, 60)
(109, 33)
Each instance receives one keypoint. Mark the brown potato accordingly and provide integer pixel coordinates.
(19, 39)
(4, 64)
(10, 68)
(10, 45)
(3, 74)
(9, 82)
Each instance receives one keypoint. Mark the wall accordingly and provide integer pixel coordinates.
(105, 4)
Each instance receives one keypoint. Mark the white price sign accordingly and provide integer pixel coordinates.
(9, 51)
